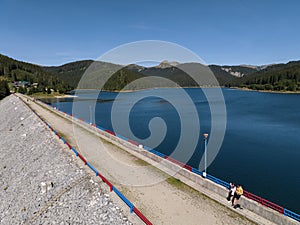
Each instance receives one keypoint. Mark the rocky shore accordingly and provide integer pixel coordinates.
(40, 182)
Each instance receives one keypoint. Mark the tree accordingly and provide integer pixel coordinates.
(21, 90)
(62, 91)
(29, 91)
(4, 89)
(292, 87)
(269, 87)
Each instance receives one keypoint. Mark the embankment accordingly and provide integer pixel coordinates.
(41, 183)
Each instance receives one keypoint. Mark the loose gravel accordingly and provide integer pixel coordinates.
(41, 183)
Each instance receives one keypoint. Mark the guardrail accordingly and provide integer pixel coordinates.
(111, 187)
(218, 181)
(291, 214)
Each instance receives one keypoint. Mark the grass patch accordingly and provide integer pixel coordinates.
(65, 136)
(176, 183)
(141, 162)
(106, 142)
(198, 196)
(233, 215)
(45, 95)
(238, 216)
(137, 161)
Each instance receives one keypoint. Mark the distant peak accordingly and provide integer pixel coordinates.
(257, 67)
(166, 64)
(249, 66)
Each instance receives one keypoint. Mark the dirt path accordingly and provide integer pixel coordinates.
(163, 201)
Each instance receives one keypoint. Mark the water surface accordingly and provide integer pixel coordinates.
(261, 144)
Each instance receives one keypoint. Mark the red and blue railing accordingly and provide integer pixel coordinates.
(111, 187)
(218, 181)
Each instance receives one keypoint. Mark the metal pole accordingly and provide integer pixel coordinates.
(90, 114)
(205, 154)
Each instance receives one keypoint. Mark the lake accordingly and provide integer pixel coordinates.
(261, 147)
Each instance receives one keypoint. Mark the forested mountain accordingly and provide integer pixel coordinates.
(278, 77)
(89, 74)
(239, 71)
(120, 76)
(222, 76)
(13, 71)
(113, 77)
(166, 76)
(70, 73)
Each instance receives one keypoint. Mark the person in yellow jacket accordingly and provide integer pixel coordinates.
(238, 193)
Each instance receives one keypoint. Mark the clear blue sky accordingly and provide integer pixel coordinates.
(221, 32)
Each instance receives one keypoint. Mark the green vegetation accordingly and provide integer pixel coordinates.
(69, 73)
(176, 183)
(4, 89)
(141, 162)
(113, 77)
(29, 78)
(120, 79)
(280, 77)
(46, 95)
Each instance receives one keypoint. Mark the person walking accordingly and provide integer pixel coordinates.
(238, 193)
(231, 192)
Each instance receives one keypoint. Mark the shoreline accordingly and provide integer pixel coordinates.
(66, 96)
(145, 89)
(221, 87)
(59, 96)
(41, 96)
(266, 91)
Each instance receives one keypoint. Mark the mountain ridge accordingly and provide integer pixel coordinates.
(282, 76)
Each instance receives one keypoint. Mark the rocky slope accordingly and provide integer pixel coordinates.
(40, 182)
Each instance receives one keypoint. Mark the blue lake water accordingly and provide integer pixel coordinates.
(261, 147)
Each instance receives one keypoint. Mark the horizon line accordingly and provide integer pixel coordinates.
(137, 63)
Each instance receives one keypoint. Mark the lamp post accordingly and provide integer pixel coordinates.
(205, 154)
(90, 114)
(57, 103)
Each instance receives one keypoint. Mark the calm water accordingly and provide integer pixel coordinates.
(261, 148)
